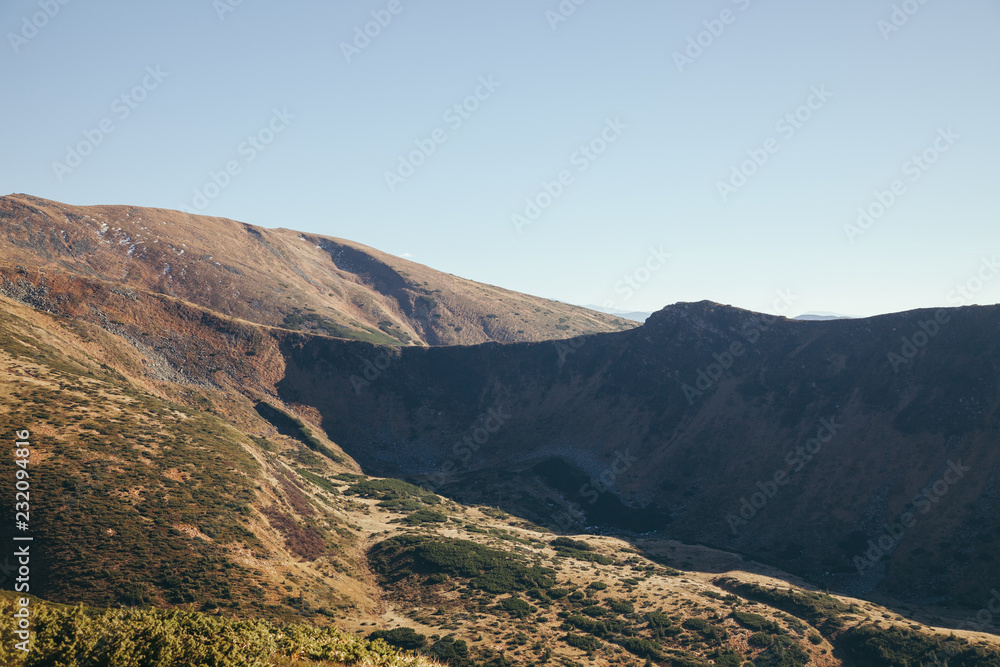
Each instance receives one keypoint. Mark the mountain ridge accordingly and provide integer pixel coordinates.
(280, 277)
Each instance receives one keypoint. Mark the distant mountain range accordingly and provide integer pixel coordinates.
(634, 315)
(821, 315)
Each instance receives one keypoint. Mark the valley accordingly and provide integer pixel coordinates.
(537, 487)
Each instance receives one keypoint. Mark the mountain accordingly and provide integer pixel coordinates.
(568, 499)
(680, 425)
(821, 315)
(634, 315)
(277, 277)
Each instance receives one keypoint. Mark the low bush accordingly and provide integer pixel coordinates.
(78, 637)
(755, 622)
(486, 569)
(584, 642)
(517, 607)
(871, 645)
(407, 639)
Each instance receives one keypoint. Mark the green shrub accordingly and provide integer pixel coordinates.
(486, 569)
(517, 607)
(453, 651)
(385, 489)
(727, 658)
(426, 516)
(404, 638)
(621, 606)
(819, 609)
(696, 624)
(755, 622)
(78, 637)
(658, 620)
(783, 652)
(584, 642)
(567, 543)
(871, 645)
(321, 482)
(643, 648)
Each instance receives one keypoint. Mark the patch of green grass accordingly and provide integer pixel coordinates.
(583, 642)
(385, 489)
(756, 622)
(569, 543)
(871, 645)
(517, 607)
(321, 482)
(486, 569)
(406, 639)
(426, 516)
(820, 610)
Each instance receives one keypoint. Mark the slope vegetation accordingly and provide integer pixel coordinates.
(277, 277)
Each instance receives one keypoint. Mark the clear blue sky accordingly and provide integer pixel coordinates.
(680, 131)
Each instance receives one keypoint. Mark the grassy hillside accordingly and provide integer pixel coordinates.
(182, 460)
(277, 277)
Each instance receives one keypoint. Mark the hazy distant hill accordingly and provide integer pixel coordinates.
(821, 316)
(634, 315)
